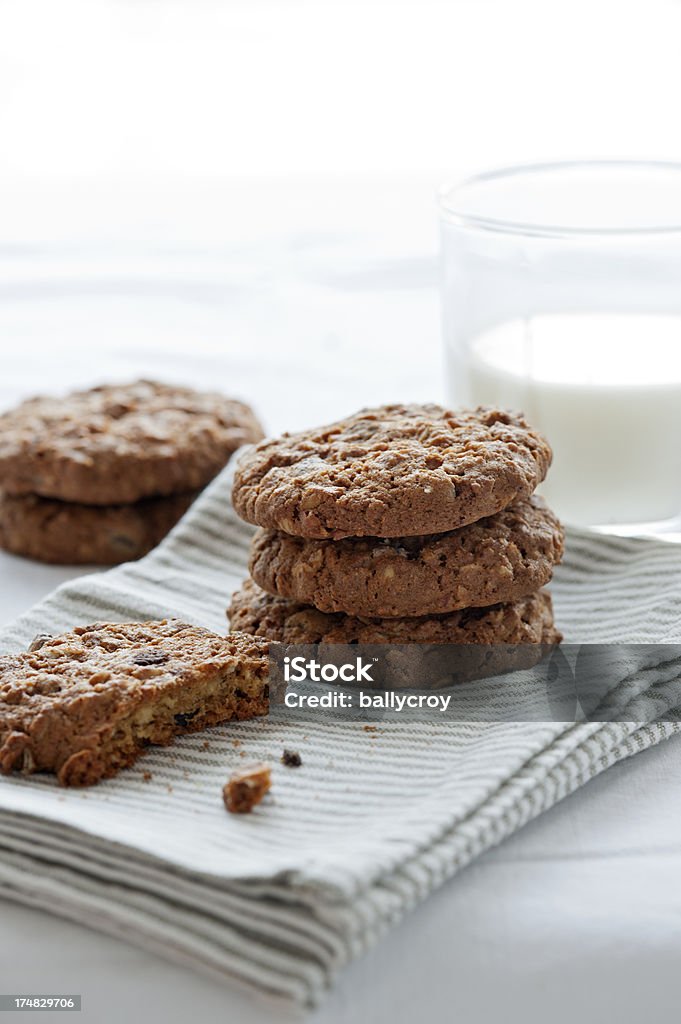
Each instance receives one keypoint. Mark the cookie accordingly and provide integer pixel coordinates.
(87, 703)
(120, 443)
(496, 560)
(526, 621)
(395, 471)
(66, 533)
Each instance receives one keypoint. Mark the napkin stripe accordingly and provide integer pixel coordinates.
(365, 829)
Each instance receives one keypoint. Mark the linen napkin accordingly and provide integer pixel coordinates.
(372, 822)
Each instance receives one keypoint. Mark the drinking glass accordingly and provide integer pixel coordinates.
(561, 290)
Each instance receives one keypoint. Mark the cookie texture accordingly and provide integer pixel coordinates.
(87, 703)
(118, 444)
(394, 471)
(66, 533)
(527, 621)
(498, 559)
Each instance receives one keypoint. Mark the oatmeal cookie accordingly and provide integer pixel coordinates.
(526, 621)
(66, 533)
(120, 443)
(87, 703)
(394, 471)
(496, 560)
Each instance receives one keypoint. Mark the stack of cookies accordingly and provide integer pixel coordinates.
(102, 475)
(400, 524)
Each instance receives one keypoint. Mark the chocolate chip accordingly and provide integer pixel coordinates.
(184, 718)
(291, 758)
(150, 657)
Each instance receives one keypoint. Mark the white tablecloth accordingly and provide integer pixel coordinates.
(579, 916)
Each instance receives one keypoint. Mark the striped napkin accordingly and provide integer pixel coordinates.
(373, 822)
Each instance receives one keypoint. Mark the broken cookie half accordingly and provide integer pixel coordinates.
(87, 703)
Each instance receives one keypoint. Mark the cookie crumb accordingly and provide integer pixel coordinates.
(370, 728)
(246, 788)
(291, 758)
(147, 776)
(205, 745)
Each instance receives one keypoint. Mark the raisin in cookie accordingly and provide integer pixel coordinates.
(496, 560)
(395, 471)
(119, 443)
(526, 621)
(85, 704)
(66, 533)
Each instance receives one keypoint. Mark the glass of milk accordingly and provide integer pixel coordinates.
(562, 298)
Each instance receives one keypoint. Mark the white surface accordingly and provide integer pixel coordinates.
(576, 918)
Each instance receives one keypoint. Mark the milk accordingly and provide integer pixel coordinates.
(606, 391)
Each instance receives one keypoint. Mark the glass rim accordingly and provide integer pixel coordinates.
(451, 212)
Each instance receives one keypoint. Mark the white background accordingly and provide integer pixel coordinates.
(175, 173)
(102, 98)
(232, 191)
(93, 89)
